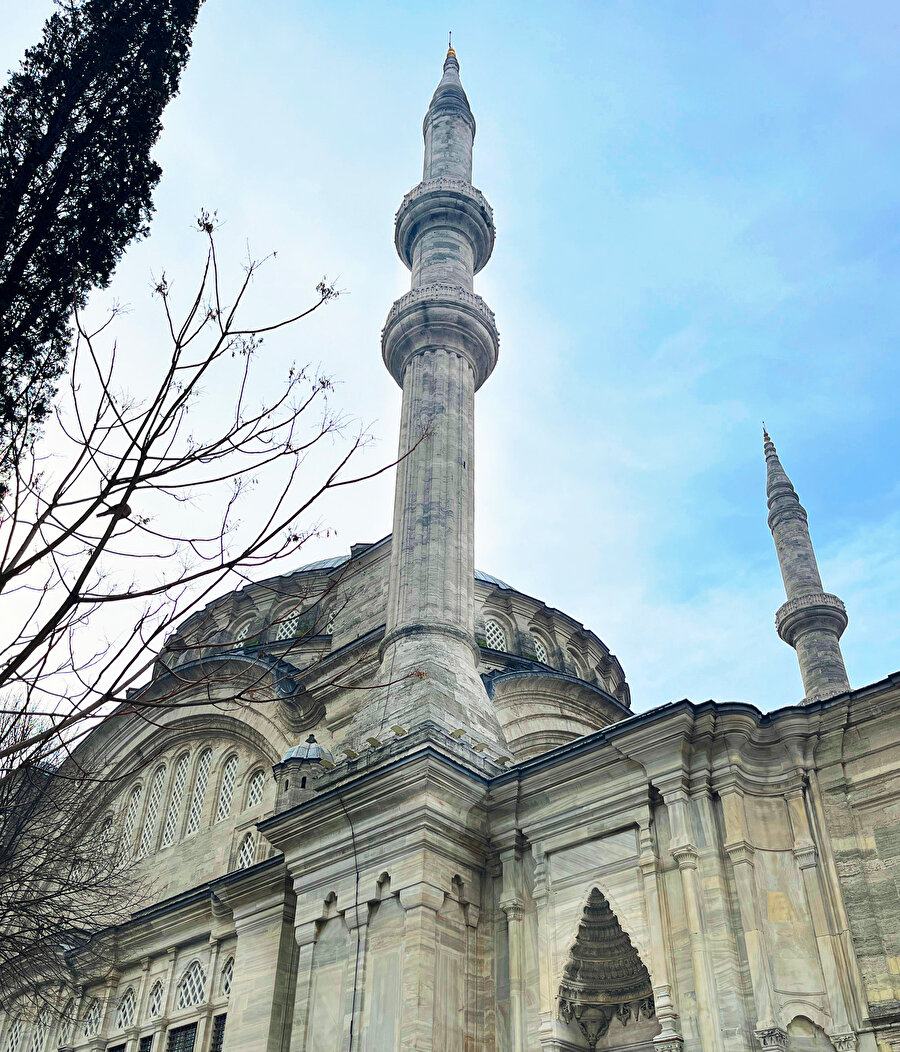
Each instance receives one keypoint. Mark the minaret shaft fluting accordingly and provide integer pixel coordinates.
(812, 620)
(440, 344)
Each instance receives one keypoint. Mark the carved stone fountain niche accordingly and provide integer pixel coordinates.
(605, 979)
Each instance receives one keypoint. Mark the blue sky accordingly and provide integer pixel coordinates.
(697, 210)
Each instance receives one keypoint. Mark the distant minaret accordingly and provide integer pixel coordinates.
(812, 620)
(440, 344)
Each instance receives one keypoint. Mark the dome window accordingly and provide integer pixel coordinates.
(540, 651)
(494, 635)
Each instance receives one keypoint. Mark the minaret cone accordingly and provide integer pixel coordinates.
(812, 620)
(440, 344)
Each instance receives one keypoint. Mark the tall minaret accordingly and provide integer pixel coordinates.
(440, 344)
(812, 620)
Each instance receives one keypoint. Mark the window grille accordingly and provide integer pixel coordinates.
(494, 635)
(154, 1005)
(116, 1048)
(93, 1019)
(540, 651)
(227, 790)
(227, 976)
(287, 628)
(199, 794)
(14, 1037)
(41, 1029)
(329, 624)
(255, 788)
(218, 1034)
(247, 852)
(146, 1043)
(66, 1022)
(127, 1006)
(154, 799)
(131, 814)
(182, 1039)
(192, 986)
(170, 829)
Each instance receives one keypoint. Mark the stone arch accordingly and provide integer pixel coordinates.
(803, 1035)
(604, 979)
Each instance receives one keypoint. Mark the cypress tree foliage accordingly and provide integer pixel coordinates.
(77, 123)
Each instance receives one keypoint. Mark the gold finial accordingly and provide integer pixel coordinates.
(765, 433)
(450, 50)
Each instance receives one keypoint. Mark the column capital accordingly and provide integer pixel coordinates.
(686, 855)
(513, 908)
(771, 1037)
(740, 852)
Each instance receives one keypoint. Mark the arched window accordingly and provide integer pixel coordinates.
(155, 1001)
(286, 628)
(14, 1037)
(576, 664)
(131, 814)
(226, 791)
(41, 1029)
(170, 829)
(126, 1012)
(66, 1023)
(255, 788)
(154, 798)
(540, 651)
(199, 793)
(247, 852)
(227, 976)
(192, 987)
(93, 1019)
(494, 635)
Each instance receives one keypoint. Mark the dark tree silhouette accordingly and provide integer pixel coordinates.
(77, 123)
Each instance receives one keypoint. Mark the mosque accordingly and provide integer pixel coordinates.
(409, 808)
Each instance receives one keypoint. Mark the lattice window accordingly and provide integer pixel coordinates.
(192, 987)
(255, 788)
(66, 1023)
(146, 1043)
(247, 852)
(170, 829)
(154, 799)
(155, 1003)
(127, 1008)
(14, 1037)
(199, 793)
(93, 1019)
(41, 1029)
(227, 976)
(494, 635)
(218, 1034)
(226, 791)
(287, 628)
(131, 814)
(329, 624)
(540, 651)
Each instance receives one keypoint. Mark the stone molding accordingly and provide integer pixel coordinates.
(440, 318)
(445, 203)
(815, 610)
(784, 508)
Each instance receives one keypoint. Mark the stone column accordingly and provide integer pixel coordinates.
(836, 983)
(669, 1038)
(687, 857)
(305, 936)
(421, 903)
(741, 854)
(472, 915)
(262, 975)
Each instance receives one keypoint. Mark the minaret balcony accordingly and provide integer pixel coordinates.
(818, 610)
(440, 317)
(445, 204)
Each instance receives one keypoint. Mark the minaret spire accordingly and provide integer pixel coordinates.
(440, 344)
(812, 620)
